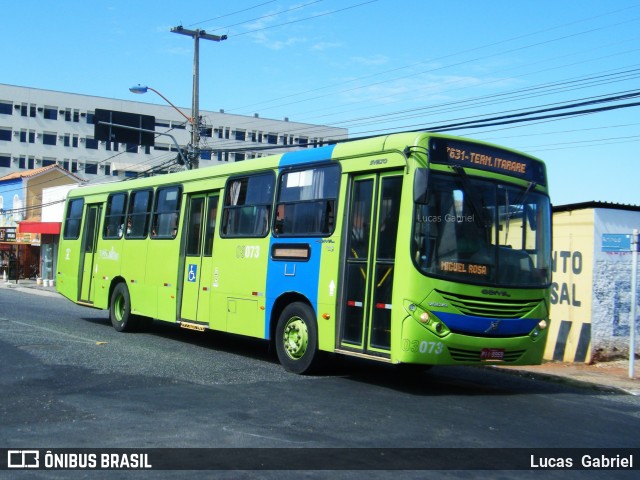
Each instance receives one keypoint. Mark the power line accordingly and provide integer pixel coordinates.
(499, 120)
(544, 89)
(431, 70)
(529, 116)
(600, 141)
(380, 118)
(534, 91)
(97, 164)
(556, 132)
(518, 94)
(305, 19)
(574, 147)
(230, 14)
(297, 7)
(7, 211)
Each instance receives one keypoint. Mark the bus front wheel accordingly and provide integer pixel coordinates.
(120, 309)
(297, 338)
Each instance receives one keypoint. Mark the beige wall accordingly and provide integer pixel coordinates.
(571, 293)
(35, 185)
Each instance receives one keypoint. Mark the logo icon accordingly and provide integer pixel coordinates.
(23, 459)
(193, 270)
(493, 326)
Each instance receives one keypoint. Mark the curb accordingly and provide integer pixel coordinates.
(36, 290)
(605, 387)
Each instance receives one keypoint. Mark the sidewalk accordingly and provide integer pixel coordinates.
(605, 376)
(610, 376)
(29, 286)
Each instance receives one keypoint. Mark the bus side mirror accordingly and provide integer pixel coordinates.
(420, 186)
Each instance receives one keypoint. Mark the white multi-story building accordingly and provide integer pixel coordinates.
(43, 127)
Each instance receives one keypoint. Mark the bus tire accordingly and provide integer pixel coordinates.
(297, 338)
(120, 309)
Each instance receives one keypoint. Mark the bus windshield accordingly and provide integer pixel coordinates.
(480, 231)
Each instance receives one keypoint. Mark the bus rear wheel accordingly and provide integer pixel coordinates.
(297, 338)
(120, 309)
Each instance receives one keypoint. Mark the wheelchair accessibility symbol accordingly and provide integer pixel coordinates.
(192, 273)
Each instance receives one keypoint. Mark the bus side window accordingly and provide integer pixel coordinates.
(138, 214)
(166, 212)
(306, 201)
(73, 219)
(247, 206)
(114, 216)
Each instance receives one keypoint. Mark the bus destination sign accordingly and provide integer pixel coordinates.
(482, 157)
(464, 268)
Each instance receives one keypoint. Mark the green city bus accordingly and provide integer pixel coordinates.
(409, 248)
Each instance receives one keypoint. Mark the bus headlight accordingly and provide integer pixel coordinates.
(540, 327)
(425, 318)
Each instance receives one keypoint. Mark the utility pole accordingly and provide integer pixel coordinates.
(635, 247)
(194, 150)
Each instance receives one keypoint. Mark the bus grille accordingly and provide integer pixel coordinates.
(482, 307)
(460, 355)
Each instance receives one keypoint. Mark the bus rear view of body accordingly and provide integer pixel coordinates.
(410, 248)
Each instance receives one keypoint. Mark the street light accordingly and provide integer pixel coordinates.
(140, 89)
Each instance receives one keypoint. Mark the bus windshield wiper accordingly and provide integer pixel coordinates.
(520, 198)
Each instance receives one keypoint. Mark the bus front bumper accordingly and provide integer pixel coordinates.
(419, 345)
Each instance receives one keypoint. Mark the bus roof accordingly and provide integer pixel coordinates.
(349, 148)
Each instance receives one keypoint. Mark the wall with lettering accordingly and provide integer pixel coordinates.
(611, 311)
(572, 261)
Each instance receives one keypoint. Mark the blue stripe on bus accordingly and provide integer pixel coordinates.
(307, 156)
(495, 327)
(292, 276)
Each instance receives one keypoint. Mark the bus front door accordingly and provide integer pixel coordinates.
(372, 227)
(89, 246)
(196, 257)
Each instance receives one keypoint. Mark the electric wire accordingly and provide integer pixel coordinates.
(500, 120)
(324, 14)
(231, 14)
(437, 59)
(431, 70)
(295, 7)
(477, 125)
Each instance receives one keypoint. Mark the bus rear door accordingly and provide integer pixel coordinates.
(196, 259)
(89, 248)
(374, 210)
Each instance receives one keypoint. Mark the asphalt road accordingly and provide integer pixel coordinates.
(69, 380)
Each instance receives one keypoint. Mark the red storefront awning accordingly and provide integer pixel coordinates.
(49, 228)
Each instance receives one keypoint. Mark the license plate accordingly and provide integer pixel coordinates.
(492, 354)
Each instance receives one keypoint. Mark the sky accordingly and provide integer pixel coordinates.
(372, 66)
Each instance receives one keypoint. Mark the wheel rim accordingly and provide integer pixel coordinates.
(118, 308)
(296, 338)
